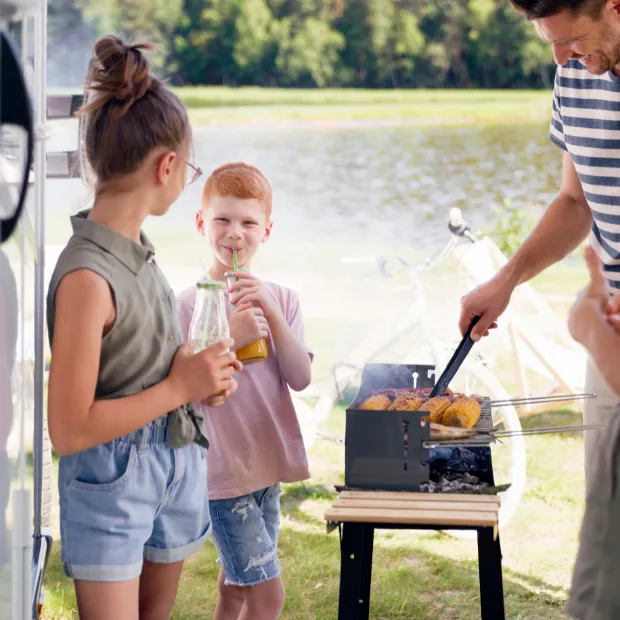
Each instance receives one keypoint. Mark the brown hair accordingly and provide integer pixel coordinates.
(127, 111)
(239, 180)
(539, 9)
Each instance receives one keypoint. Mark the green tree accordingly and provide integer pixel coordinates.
(254, 40)
(309, 55)
(360, 43)
(152, 20)
(203, 43)
(408, 44)
(536, 58)
(355, 55)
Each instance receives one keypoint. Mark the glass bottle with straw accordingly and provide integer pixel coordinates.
(209, 323)
(256, 351)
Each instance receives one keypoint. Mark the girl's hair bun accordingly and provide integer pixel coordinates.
(119, 75)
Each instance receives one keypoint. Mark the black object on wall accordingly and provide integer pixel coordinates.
(15, 110)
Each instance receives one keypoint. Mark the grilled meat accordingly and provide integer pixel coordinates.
(376, 402)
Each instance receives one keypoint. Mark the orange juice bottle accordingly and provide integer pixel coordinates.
(256, 351)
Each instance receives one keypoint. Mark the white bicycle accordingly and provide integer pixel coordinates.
(413, 327)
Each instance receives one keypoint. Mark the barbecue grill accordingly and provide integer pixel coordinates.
(391, 450)
(397, 451)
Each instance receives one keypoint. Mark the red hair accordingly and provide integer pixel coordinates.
(240, 181)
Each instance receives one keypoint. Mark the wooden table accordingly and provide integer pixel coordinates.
(362, 512)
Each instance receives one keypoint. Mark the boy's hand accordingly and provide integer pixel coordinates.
(250, 289)
(592, 303)
(247, 324)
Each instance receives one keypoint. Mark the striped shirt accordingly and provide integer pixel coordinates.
(586, 122)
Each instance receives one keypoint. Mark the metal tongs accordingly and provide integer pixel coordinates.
(455, 361)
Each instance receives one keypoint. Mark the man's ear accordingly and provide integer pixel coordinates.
(200, 222)
(267, 234)
(165, 166)
(615, 6)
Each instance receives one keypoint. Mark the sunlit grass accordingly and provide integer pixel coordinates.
(416, 575)
(223, 104)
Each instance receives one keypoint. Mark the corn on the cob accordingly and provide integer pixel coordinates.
(376, 402)
(464, 413)
(406, 402)
(436, 407)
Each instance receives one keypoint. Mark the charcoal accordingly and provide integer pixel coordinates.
(455, 469)
(445, 462)
(466, 482)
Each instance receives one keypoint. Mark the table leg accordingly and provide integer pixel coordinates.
(355, 571)
(490, 570)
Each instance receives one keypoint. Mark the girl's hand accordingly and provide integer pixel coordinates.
(206, 374)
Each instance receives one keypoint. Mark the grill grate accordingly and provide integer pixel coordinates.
(484, 426)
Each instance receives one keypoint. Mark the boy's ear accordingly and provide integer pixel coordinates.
(200, 222)
(267, 234)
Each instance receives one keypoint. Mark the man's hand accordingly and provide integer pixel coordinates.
(250, 289)
(613, 312)
(247, 324)
(488, 301)
(593, 302)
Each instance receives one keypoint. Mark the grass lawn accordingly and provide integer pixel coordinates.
(416, 575)
(222, 104)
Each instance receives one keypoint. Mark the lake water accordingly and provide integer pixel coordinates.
(342, 191)
(346, 185)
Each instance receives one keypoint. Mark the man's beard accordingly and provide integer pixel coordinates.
(609, 58)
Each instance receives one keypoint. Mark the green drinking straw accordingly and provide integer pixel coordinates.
(235, 263)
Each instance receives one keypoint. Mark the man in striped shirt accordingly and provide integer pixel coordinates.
(585, 124)
(585, 37)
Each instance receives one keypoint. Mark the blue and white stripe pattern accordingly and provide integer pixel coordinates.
(586, 123)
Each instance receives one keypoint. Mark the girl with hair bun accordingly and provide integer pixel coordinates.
(132, 471)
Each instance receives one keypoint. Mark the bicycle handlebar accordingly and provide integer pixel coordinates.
(456, 218)
(458, 227)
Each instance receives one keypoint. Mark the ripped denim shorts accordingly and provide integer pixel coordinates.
(245, 533)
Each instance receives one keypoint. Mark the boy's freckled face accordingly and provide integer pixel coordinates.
(230, 223)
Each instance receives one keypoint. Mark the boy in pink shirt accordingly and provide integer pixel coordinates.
(255, 438)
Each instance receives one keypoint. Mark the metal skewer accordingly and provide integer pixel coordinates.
(534, 400)
(544, 431)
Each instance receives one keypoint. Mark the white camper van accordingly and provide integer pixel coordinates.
(25, 481)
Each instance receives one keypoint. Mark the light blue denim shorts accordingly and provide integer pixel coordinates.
(245, 533)
(132, 499)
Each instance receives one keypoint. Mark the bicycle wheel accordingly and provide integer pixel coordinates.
(509, 455)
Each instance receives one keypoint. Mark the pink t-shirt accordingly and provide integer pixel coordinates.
(254, 437)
